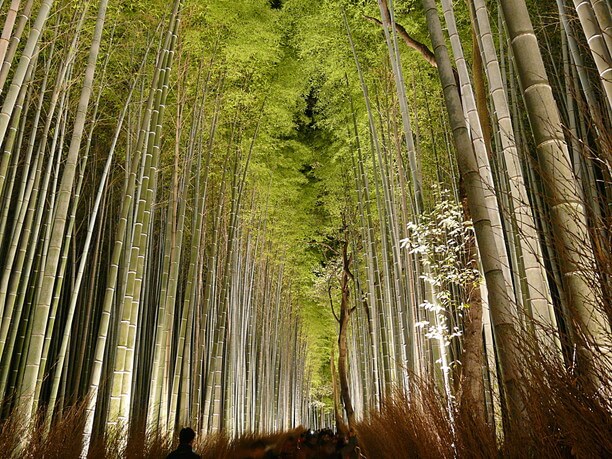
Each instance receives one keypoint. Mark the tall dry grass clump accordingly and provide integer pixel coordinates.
(564, 417)
(62, 440)
(568, 416)
(142, 443)
(420, 425)
(64, 436)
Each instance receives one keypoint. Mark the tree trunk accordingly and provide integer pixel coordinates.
(345, 316)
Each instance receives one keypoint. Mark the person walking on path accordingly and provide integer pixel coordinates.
(185, 448)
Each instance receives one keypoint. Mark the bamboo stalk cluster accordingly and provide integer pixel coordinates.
(537, 240)
(136, 274)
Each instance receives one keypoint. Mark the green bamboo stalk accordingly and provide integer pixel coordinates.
(177, 241)
(374, 282)
(502, 309)
(604, 20)
(24, 63)
(15, 132)
(7, 61)
(18, 130)
(124, 367)
(363, 200)
(22, 203)
(475, 129)
(389, 28)
(538, 292)
(116, 261)
(42, 309)
(569, 224)
(597, 42)
(7, 30)
(84, 257)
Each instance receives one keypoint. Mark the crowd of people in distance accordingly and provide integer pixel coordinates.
(322, 444)
(297, 444)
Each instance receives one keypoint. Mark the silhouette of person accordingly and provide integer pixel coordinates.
(185, 449)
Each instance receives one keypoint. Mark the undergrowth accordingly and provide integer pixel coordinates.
(563, 417)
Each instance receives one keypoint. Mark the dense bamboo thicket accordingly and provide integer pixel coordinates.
(136, 265)
(251, 216)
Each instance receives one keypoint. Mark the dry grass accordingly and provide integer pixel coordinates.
(63, 441)
(420, 426)
(563, 417)
(568, 416)
(17, 440)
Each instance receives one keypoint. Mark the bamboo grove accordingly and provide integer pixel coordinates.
(170, 267)
(249, 217)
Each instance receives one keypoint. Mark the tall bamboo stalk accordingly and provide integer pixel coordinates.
(502, 308)
(598, 43)
(538, 292)
(569, 225)
(42, 309)
(22, 69)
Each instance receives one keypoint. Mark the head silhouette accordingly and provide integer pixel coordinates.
(186, 436)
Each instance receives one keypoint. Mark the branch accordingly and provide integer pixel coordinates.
(331, 303)
(420, 47)
(325, 245)
(410, 42)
